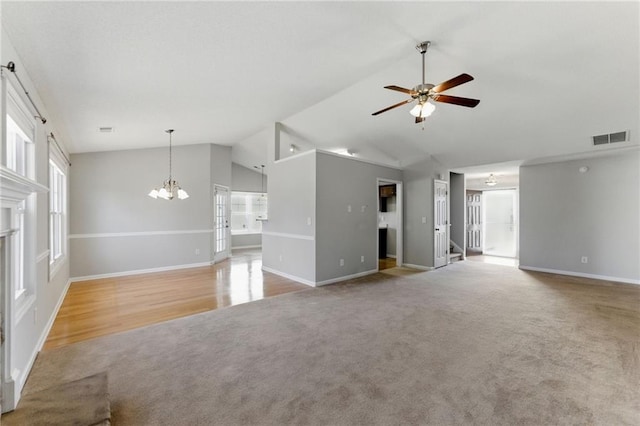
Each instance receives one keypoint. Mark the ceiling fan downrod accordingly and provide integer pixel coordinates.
(422, 48)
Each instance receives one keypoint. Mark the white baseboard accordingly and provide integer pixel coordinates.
(289, 276)
(140, 271)
(245, 247)
(392, 256)
(318, 283)
(580, 274)
(43, 337)
(420, 267)
(346, 277)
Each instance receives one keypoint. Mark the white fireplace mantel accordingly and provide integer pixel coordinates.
(15, 188)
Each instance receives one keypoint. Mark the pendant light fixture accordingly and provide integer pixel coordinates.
(491, 180)
(170, 187)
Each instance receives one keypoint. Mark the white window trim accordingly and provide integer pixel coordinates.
(58, 161)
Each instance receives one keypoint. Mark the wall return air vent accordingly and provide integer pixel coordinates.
(106, 129)
(610, 138)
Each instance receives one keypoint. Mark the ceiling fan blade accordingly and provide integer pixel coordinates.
(455, 81)
(401, 89)
(467, 102)
(419, 120)
(393, 106)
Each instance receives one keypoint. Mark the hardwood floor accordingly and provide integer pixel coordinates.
(386, 263)
(110, 305)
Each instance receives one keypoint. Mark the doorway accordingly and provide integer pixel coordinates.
(221, 230)
(499, 227)
(390, 225)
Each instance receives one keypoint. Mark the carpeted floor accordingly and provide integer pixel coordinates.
(471, 343)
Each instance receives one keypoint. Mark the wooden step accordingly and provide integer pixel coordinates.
(81, 402)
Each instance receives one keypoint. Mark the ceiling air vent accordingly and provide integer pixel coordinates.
(611, 138)
(106, 129)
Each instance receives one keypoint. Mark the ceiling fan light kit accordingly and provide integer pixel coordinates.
(425, 92)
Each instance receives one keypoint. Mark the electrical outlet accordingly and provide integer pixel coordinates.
(197, 252)
(424, 219)
(361, 259)
(349, 208)
(584, 259)
(363, 209)
(280, 257)
(341, 262)
(309, 221)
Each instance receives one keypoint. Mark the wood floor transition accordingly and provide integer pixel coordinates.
(105, 306)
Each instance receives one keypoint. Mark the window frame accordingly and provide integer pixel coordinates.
(58, 171)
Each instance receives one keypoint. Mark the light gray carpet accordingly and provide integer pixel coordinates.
(471, 343)
(83, 402)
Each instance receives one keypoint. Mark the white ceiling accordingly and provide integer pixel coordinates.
(549, 75)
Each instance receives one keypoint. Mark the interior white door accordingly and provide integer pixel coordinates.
(440, 224)
(474, 221)
(221, 234)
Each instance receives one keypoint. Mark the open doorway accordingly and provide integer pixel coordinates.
(390, 228)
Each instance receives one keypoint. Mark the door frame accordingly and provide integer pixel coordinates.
(400, 214)
(447, 221)
(220, 256)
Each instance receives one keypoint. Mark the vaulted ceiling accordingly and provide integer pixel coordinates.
(549, 75)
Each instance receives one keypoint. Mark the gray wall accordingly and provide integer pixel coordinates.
(247, 180)
(341, 234)
(457, 207)
(108, 196)
(288, 240)
(565, 214)
(418, 203)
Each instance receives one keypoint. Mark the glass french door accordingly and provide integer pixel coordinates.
(221, 230)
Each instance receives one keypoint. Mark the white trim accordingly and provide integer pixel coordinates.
(291, 277)
(420, 267)
(318, 283)
(580, 274)
(139, 271)
(346, 277)
(42, 256)
(43, 337)
(244, 247)
(290, 157)
(285, 235)
(362, 160)
(140, 234)
(15, 188)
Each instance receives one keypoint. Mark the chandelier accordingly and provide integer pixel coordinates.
(491, 180)
(170, 187)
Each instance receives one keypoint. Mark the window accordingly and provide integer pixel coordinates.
(247, 208)
(19, 157)
(19, 151)
(57, 203)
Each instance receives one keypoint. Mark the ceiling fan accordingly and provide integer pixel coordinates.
(423, 92)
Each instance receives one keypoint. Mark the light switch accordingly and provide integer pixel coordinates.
(424, 219)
